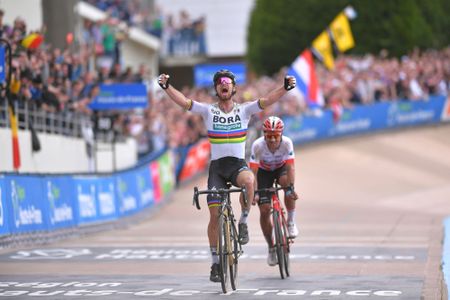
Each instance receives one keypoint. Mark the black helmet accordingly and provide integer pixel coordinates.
(224, 73)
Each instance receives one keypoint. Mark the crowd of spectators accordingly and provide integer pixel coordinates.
(65, 81)
(180, 34)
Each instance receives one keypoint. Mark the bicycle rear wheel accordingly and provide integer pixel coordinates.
(234, 252)
(223, 250)
(279, 243)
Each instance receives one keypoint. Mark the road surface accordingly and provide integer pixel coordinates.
(371, 226)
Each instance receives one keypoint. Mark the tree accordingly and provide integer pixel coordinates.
(280, 30)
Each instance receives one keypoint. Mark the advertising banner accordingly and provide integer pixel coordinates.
(166, 172)
(204, 73)
(120, 96)
(196, 161)
(406, 113)
(144, 186)
(4, 212)
(60, 202)
(106, 198)
(127, 193)
(85, 198)
(154, 172)
(28, 211)
(303, 129)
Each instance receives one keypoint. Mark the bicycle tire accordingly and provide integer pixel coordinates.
(222, 249)
(287, 249)
(234, 253)
(279, 243)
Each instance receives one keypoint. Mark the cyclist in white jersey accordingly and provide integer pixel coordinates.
(226, 122)
(272, 158)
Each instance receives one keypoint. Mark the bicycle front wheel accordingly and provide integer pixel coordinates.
(286, 247)
(223, 246)
(277, 223)
(234, 252)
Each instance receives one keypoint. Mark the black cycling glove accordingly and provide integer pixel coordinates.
(288, 87)
(166, 85)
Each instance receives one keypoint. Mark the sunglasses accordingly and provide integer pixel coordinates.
(272, 136)
(226, 80)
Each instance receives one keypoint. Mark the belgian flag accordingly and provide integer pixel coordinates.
(15, 136)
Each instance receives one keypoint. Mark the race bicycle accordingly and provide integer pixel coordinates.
(229, 247)
(280, 229)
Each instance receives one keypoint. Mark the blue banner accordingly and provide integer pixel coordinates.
(145, 186)
(85, 199)
(365, 118)
(28, 211)
(4, 227)
(127, 193)
(2, 64)
(106, 196)
(308, 128)
(204, 73)
(120, 96)
(60, 201)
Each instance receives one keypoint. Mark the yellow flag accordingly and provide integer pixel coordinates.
(342, 33)
(322, 48)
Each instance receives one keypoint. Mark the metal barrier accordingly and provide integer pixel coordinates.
(67, 123)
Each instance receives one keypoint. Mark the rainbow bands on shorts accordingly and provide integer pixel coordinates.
(227, 137)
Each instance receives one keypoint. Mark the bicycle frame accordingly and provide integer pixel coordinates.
(282, 239)
(228, 246)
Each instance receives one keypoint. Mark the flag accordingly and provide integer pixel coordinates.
(15, 138)
(32, 41)
(307, 84)
(342, 33)
(323, 50)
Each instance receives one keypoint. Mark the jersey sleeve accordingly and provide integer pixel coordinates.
(254, 155)
(200, 108)
(290, 157)
(252, 107)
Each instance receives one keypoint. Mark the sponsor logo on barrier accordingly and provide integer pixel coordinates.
(87, 202)
(23, 215)
(128, 201)
(62, 212)
(106, 202)
(146, 193)
(405, 113)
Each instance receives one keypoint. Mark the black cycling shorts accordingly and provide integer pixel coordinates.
(265, 180)
(221, 171)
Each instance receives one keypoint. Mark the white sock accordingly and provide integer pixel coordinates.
(244, 216)
(214, 256)
(291, 216)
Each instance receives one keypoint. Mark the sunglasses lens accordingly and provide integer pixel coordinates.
(272, 136)
(224, 80)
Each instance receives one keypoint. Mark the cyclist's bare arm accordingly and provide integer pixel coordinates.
(291, 173)
(291, 178)
(173, 93)
(274, 95)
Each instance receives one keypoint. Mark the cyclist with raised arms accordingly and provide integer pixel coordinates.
(272, 158)
(226, 122)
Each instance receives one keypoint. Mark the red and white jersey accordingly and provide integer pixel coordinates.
(265, 159)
